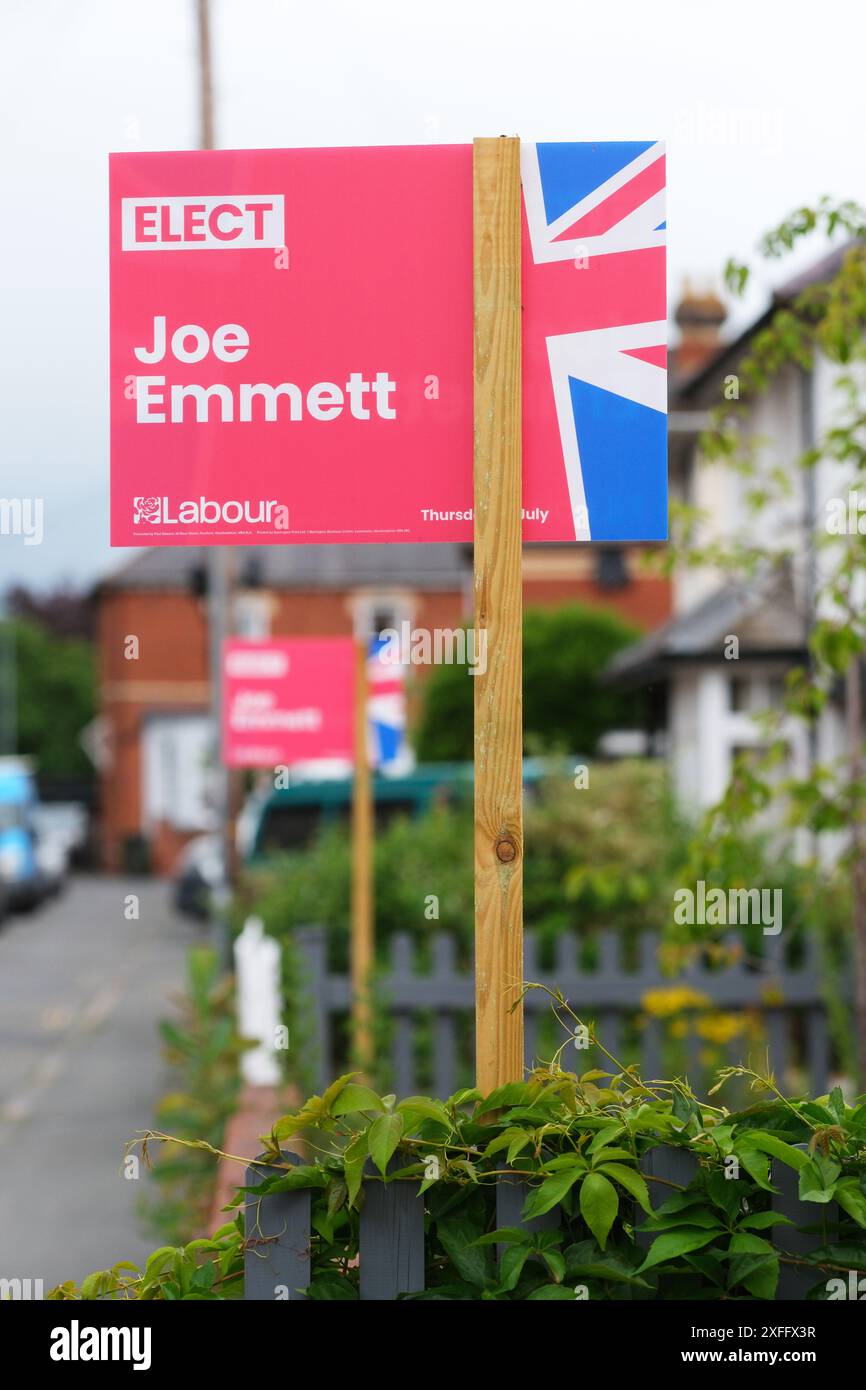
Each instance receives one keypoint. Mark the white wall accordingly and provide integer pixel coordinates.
(175, 754)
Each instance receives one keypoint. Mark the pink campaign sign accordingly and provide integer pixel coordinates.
(291, 345)
(287, 700)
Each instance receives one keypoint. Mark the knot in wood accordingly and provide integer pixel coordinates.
(506, 849)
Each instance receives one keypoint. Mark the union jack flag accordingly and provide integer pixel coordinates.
(594, 335)
(386, 710)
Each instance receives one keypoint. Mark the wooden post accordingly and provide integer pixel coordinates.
(498, 614)
(362, 872)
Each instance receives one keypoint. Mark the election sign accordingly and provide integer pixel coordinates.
(287, 700)
(387, 747)
(292, 356)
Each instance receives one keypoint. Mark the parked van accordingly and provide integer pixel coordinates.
(19, 865)
(273, 821)
(289, 818)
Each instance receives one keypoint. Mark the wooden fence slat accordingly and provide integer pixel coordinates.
(611, 995)
(391, 1238)
(817, 1050)
(445, 1061)
(403, 1054)
(778, 1042)
(511, 1193)
(279, 1266)
(608, 1032)
(530, 1040)
(671, 1167)
(651, 1050)
(311, 946)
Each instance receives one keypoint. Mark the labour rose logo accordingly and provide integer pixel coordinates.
(146, 509)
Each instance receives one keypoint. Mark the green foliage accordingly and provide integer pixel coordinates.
(202, 1047)
(55, 698)
(577, 1144)
(565, 706)
(609, 856)
(206, 1269)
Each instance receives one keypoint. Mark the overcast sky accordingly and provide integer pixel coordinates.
(762, 105)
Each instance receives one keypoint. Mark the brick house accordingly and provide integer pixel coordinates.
(154, 727)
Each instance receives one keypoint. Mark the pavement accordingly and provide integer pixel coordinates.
(82, 988)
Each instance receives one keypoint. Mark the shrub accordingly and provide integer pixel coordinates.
(565, 706)
(203, 1048)
(577, 1143)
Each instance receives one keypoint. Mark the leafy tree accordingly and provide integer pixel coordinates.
(826, 321)
(565, 705)
(55, 687)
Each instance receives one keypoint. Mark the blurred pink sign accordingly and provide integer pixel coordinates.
(291, 344)
(287, 700)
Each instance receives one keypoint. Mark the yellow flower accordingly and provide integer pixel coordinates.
(719, 1027)
(662, 1003)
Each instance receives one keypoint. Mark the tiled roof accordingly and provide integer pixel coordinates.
(436, 567)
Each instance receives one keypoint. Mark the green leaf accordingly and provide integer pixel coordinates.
(612, 1156)
(757, 1165)
(549, 1292)
(631, 1181)
(303, 1175)
(512, 1093)
(605, 1135)
(818, 1180)
(754, 1264)
(459, 1238)
(335, 1089)
(550, 1193)
(699, 1216)
(384, 1136)
(762, 1220)
(851, 1198)
(506, 1235)
(836, 1103)
(354, 1157)
(353, 1097)
(771, 1144)
(674, 1243)
(427, 1109)
(599, 1205)
(505, 1138)
(159, 1261)
(511, 1265)
(555, 1261)
(583, 1261)
(329, 1288)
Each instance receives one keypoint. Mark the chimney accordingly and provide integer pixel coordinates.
(699, 316)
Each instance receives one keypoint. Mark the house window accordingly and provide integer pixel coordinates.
(740, 694)
(611, 571)
(372, 613)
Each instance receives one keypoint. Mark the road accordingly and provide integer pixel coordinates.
(81, 991)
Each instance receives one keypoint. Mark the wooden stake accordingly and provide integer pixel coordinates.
(362, 873)
(498, 615)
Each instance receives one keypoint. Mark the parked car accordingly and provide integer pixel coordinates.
(23, 877)
(197, 876)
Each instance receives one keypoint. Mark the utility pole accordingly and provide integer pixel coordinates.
(219, 596)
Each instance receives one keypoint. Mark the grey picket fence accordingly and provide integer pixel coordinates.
(391, 1255)
(789, 1000)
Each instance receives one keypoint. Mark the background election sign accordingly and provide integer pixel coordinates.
(291, 345)
(287, 700)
